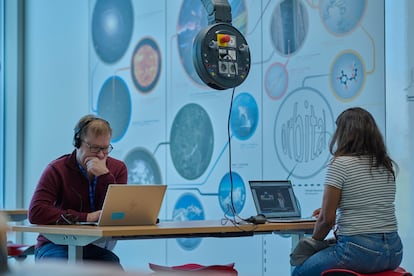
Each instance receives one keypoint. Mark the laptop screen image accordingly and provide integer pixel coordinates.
(274, 198)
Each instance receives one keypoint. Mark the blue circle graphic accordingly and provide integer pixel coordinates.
(114, 104)
(235, 199)
(188, 207)
(191, 141)
(341, 17)
(347, 75)
(142, 167)
(276, 80)
(244, 116)
(289, 26)
(112, 24)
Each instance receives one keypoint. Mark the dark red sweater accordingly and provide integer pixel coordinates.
(63, 189)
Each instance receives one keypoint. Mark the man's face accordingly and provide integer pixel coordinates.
(93, 146)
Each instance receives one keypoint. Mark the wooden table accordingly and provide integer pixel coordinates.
(77, 236)
(15, 215)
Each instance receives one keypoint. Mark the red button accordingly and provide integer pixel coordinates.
(225, 39)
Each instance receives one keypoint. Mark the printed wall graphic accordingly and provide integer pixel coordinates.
(310, 61)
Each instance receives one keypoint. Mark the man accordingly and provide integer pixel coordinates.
(72, 188)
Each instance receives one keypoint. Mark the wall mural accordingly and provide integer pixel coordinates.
(310, 60)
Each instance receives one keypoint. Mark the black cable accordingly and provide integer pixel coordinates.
(232, 209)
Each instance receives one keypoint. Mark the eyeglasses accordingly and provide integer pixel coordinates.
(96, 149)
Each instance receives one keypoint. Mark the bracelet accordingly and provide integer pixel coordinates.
(315, 239)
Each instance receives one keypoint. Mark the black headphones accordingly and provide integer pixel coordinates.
(81, 126)
(221, 55)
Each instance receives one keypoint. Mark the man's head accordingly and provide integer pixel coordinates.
(92, 137)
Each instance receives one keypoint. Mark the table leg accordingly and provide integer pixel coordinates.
(75, 253)
(75, 244)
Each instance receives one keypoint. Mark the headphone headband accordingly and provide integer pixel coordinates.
(80, 127)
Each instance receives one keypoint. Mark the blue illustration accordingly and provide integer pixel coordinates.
(191, 141)
(276, 81)
(234, 200)
(341, 17)
(289, 26)
(347, 75)
(142, 167)
(244, 116)
(112, 25)
(114, 104)
(188, 207)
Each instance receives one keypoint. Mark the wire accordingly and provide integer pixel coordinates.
(236, 220)
(232, 209)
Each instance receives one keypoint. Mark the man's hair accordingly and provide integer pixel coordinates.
(90, 123)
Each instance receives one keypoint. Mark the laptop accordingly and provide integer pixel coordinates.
(276, 200)
(131, 205)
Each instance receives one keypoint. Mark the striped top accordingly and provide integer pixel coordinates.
(367, 196)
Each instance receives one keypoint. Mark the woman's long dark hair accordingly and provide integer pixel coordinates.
(357, 134)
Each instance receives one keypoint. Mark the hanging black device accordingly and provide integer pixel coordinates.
(221, 55)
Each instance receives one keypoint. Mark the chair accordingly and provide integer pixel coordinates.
(3, 240)
(346, 272)
(9, 249)
(19, 251)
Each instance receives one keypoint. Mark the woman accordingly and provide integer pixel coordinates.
(359, 199)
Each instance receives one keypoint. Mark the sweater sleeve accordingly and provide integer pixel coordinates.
(43, 206)
(62, 191)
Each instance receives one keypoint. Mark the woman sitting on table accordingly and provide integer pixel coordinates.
(359, 198)
(72, 188)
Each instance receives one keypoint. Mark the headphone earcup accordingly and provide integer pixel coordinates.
(76, 139)
(78, 129)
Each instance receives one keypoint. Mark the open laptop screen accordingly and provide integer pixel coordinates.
(274, 198)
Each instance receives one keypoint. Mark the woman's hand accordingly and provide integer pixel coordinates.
(316, 213)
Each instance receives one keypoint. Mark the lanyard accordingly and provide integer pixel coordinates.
(92, 187)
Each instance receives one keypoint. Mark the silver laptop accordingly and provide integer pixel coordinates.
(276, 200)
(131, 205)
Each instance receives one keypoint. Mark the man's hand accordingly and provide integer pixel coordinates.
(96, 166)
(94, 216)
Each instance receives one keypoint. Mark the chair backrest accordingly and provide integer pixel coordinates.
(340, 272)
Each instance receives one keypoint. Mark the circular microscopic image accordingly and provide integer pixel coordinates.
(244, 116)
(191, 141)
(146, 65)
(342, 16)
(188, 207)
(142, 167)
(347, 75)
(114, 104)
(289, 26)
(112, 25)
(276, 81)
(232, 194)
(192, 19)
